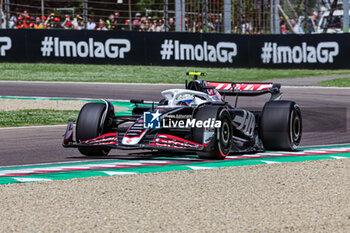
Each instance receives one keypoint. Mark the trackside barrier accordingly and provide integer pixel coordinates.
(322, 51)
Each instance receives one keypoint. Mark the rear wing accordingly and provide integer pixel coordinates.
(245, 88)
(234, 88)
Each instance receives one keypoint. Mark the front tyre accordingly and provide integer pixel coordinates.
(218, 143)
(89, 125)
(281, 125)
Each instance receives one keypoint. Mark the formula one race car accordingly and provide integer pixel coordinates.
(195, 119)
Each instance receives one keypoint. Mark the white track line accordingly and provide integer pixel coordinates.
(71, 99)
(314, 87)
(339, 157)
(52, 163)
(151, 161)
(118, 173)
(269, 162)
(94, 83)
(324, 145)
(200, 168)
(60, 98)
(25, 180)
(153, 84)
(33, 127)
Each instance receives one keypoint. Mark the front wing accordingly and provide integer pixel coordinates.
(163, 142)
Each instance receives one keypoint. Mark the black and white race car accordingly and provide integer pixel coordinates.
(195, 119)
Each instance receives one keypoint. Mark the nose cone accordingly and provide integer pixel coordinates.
(134, 134)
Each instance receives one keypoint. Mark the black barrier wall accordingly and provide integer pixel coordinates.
(323, 51)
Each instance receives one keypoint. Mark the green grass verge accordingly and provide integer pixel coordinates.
(142, 74)
(36, 117)
(339, 82)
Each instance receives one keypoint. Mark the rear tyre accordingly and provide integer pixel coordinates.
(220, 144)
(89, 126)
(281, 125)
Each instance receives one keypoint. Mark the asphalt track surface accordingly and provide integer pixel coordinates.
(326, 117)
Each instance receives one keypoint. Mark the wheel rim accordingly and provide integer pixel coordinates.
(225, 133)
(225, 137)
(295, 128)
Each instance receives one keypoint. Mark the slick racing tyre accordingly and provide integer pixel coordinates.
(89, 126)
(217, 141)
(281, 125)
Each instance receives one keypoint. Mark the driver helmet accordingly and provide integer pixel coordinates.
(186, 100)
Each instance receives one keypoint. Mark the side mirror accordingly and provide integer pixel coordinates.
(136, 101)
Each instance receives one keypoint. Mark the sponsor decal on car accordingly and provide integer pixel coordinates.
(152, 120)
(240, 86)
(165, 140)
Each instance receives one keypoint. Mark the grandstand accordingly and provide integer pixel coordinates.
(215, 16)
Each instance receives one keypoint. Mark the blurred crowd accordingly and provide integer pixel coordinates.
(147, 23)
(112, 22)
(296, 25)
(151, 24)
